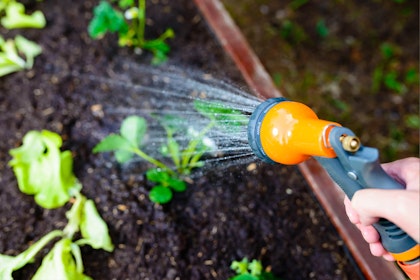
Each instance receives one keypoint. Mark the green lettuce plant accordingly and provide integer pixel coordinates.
(11, 59)
(44, 171)
(128, 20)
(18, 54)
(14, 16)
(171, 177)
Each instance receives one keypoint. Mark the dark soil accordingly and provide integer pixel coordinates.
(330, 55)
(267, 213)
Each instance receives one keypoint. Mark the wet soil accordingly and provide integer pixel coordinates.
(267, 212)
(348, 60)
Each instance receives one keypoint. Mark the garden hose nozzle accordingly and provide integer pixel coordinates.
(287, 132)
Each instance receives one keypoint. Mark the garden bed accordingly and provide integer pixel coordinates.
(267, 213)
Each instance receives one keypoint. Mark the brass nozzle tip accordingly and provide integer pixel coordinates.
(350, 143)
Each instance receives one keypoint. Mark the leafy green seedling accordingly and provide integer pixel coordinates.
(43, 170)
(10, 50)
(129, 142)
(107, 19)
(187, 159)
(253, 270)
(129, 21)
(15, 17)
(18, 53)
(46, 172)
(166, 183)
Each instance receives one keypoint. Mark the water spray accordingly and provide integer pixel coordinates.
(287, 132)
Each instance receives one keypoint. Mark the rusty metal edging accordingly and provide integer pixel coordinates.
(329, 195)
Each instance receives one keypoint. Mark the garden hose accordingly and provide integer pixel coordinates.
(287, 132)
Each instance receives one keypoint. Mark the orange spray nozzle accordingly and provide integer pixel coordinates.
(288, 132)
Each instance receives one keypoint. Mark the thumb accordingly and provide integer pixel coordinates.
(398, 206)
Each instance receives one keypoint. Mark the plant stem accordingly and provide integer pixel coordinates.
(189, 151)
(29, 254)
(145, 156)
(142, 21)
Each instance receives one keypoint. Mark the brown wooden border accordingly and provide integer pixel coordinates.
(329, 195)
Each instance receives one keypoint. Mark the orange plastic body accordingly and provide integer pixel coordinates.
(412, 270)
(291, 133)
(408, 255)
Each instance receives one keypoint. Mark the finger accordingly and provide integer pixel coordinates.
(405, 171)
(351, 213)
(388, 257)
(370, 234)
(377, 249)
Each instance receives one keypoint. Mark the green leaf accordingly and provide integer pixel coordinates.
(174, 151)
(226, 117)
(16, 18)
(255, 267)
(157, 175)
(412, 76)
(125, 3)
(29, 49)
(8, 264)
(240, 267)
(60, 264)
(93, 228)
(133, 128)
(387, 50)
(43, 171)
(177, 184)
(391, 82)
(160, 194)
(10, 61)
(123, 156)
(112, 143)
(105, 19)
(74, 216)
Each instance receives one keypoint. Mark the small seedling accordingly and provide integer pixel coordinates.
(10, 58)
(129, 142)
(171, 177)
(129, 21)
(253, 270)
(44, 171)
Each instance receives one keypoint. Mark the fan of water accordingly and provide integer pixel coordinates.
(150, 92)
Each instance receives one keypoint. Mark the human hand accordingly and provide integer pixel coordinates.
(398, 206)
